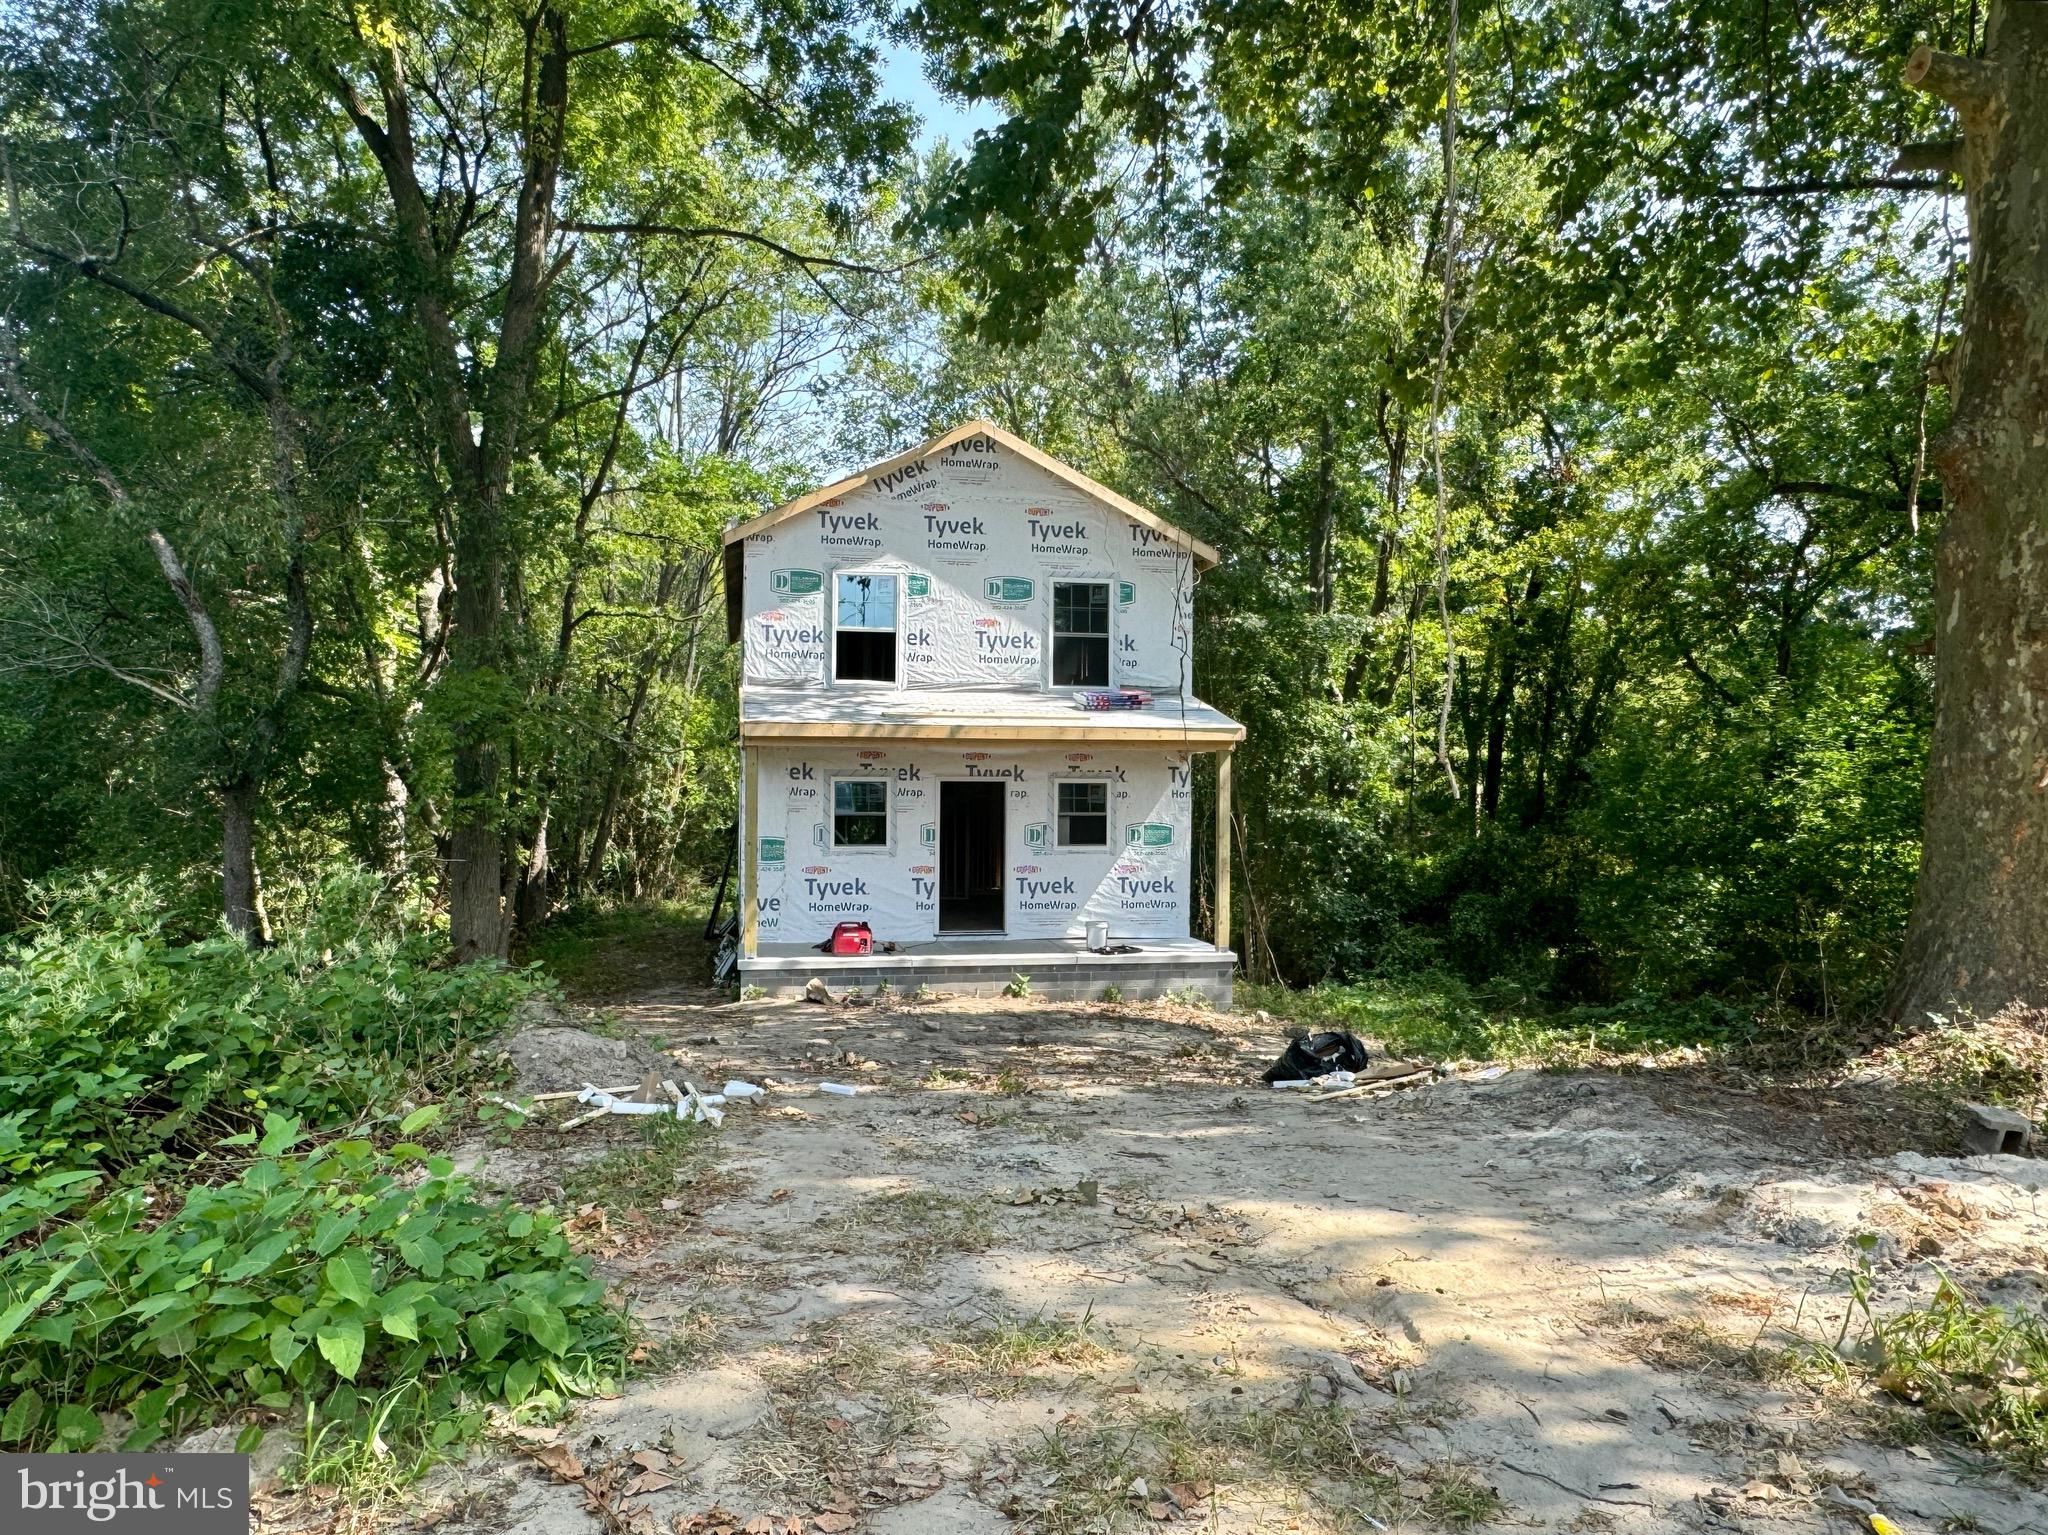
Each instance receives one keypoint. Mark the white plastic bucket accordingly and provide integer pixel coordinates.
(1098, 935)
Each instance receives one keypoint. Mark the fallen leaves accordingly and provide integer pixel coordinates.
(559, 1460)
(589, 1229)
(1086, 1192)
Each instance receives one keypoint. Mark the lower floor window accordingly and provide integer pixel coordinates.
(860, 813)
(1084, 814)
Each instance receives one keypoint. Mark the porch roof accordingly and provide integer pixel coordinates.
(932, 714)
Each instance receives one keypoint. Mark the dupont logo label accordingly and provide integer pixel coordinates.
(918, 586)
(871, 755)
(1008, 589)
(795, 583)
(774, 852)
(1034, 834)
(160, 1494)
(1150, 834)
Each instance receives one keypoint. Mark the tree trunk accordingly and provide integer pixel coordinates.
(1978, 939)
(1323, 527)
(241, 896)
(533, 884)
(1497, 712)
(476, 917)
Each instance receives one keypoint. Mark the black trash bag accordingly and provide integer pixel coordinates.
(1309, 1058)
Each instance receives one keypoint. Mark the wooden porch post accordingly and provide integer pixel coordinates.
(750, 859)
(1223, 757)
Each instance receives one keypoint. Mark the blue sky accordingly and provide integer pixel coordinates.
(903, 78)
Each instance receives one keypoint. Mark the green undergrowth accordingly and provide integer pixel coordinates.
(220, 1200)
(1953, 1368)
(1923, 1071)
(310, 1287)
(1438, 1017)
(668, 1155)
(603, 953)
(1979, 1373)
(122, 1048)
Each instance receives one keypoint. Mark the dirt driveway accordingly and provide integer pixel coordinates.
(1070, 1269)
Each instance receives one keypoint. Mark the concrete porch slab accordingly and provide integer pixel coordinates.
(1061, 968)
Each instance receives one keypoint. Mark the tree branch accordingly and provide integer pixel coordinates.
(211, 663)
(1835, 491)
(390, 144)
(1823, 186)
(1971, 86)
(1940, 159)
(721, 232)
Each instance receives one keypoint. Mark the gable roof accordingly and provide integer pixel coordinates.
(1204, 554)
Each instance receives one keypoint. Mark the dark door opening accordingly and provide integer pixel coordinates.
(971, 857)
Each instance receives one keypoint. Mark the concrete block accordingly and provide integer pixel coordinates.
(1989, 1131)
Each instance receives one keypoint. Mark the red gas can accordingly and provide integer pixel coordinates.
(853, 938)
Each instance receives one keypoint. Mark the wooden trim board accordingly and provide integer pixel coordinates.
(1193, 737)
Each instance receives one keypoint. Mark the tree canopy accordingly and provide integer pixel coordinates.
(377, 383)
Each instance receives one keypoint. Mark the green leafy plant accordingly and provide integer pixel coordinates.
(1112, 993)
(1019, 985)
(120, 1046)
(313, 1284)
(1979, 1372)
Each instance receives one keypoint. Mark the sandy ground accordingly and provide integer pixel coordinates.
(1076, 1269)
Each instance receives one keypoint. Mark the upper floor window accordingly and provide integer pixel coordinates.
(1080, 634)
(864, 627)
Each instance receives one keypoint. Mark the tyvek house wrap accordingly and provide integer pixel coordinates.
(977, 535)
(1138, 884)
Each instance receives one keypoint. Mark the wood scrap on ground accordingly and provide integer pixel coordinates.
(1389, 1074)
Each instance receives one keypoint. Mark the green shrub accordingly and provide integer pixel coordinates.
(119, 1045)
(313, 1281)
(1979, 1372)
(1438, 1016)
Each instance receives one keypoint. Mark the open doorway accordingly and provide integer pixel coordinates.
(971, 856)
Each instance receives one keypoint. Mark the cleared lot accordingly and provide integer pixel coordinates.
(1073, 1269)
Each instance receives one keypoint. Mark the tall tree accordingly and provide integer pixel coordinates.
(1703, 165)
(455, 207)
(1979, 934)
